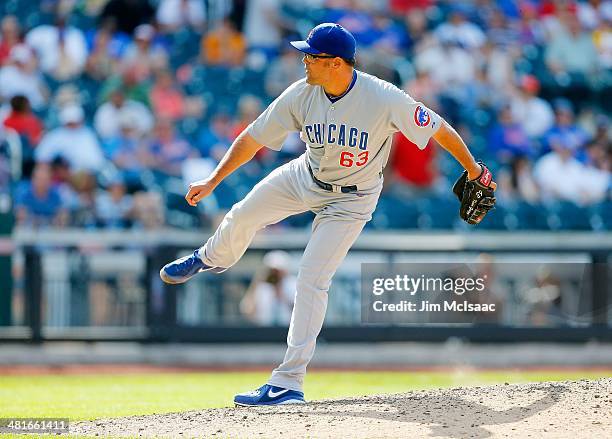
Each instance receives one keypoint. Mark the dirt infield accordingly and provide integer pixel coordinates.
(568, 409)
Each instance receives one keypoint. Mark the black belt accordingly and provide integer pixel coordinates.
(329, 187)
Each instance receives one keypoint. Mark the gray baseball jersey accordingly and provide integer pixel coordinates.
(348, 139)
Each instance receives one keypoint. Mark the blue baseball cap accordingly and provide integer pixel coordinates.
(328, 38)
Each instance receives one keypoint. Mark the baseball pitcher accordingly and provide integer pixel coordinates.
(347, 119)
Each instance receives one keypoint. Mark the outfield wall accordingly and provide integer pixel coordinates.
(78, 285)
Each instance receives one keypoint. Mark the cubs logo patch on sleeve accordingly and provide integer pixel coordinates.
(421, 116)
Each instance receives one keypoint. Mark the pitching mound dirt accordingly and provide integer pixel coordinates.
(569, 409)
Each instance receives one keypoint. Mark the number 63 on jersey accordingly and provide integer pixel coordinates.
(348, 159)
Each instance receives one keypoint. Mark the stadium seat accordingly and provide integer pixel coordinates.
(179, 213)
(601, 216)
(394, 212)
(302, 220)
(495, 219)
(184, 47)
(437, 212)
(530, 216)
(225, 195)
(569, 216)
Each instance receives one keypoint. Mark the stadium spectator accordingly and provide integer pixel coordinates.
(20, 77)
(560, 176)
(383, 48)
(148, 210)
(10, 36)
(592, 12)
(530, 29)
(73, 141)
(249, 107)
(544, 300)
(108, 115)
(224, 46)
(84, 209)
(423, 88)
(6, 168)
(215, 138)
(65, 95)
(293, 147)
(457, 72)
(552, 14)
(113, 206)
(411, 171)
(61, 49)
(24, 121)
(457, 30)
(572, 51)
(145, 55)
(507, 138)
(597, 174)
(168, 100)
(416, 25)
(591, 121)
(501, 31)
(533, 113)
(477, 96)
(517, 182)
(128, 153)
(603, 130)
(356, 17)
(449, 64)
(133, 88)
(263, 14)
(388, 36)
(269, 299)
(402, 7)
(173, 15)
(498, 62)
(105, 50)
(61, 177)
(168, 151)
(283, 71)
(565, 132)
(602, 37)
(38, 203)
(126, 15)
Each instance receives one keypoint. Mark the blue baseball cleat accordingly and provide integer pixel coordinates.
(183, 269)
(269, 395)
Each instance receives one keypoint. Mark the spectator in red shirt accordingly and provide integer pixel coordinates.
(410, 170)
(249, 107)
(169, 101)
(403, 7)
(23, 120)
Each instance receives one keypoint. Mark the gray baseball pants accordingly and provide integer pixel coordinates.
(339, 219)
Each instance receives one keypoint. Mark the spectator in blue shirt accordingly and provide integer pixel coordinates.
(507, 138)
(38, 203)
(114, 206)
(215, 138)
(565, 133)
(168, 150)
(128, 153)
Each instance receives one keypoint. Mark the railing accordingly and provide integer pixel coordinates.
(65, 274)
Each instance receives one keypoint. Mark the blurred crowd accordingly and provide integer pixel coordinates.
(118, 104)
